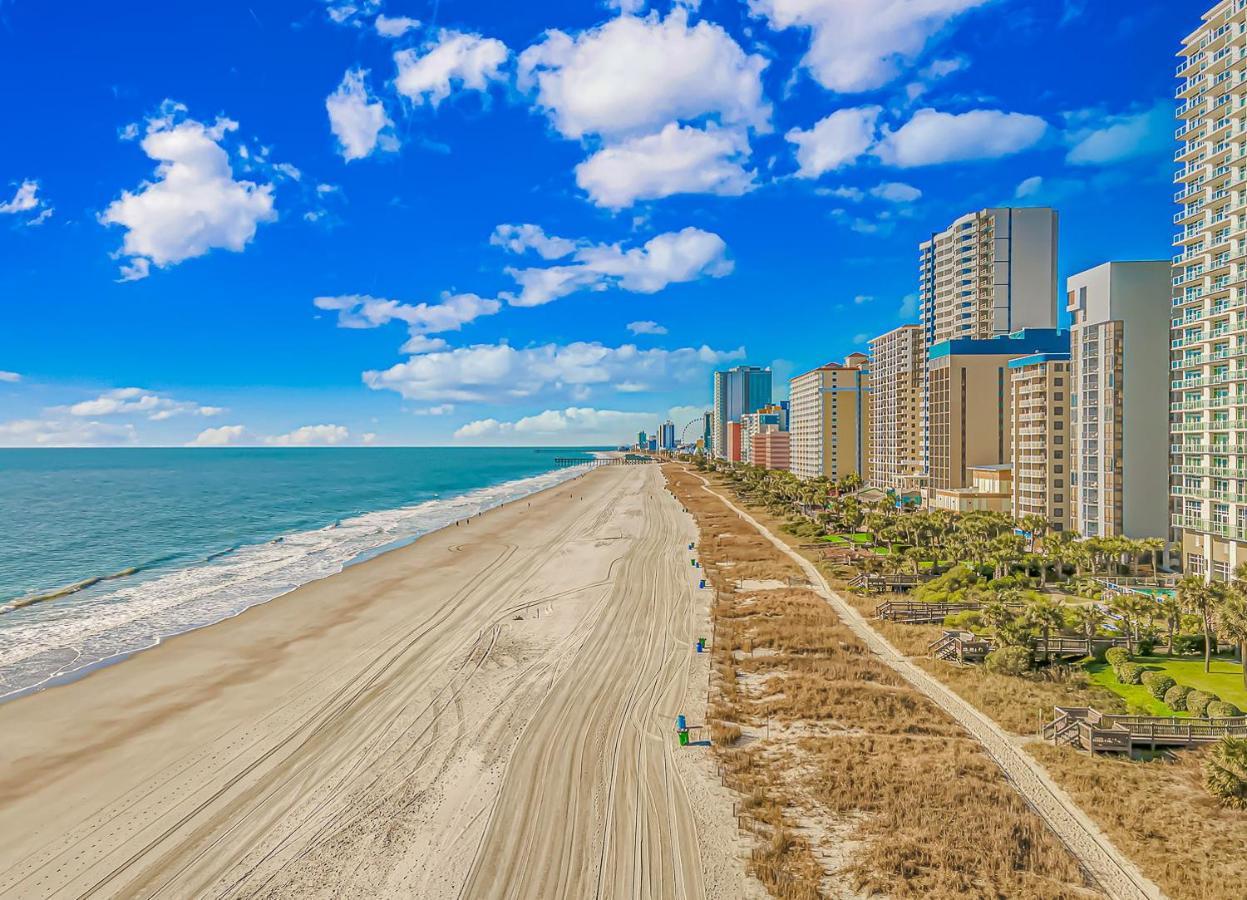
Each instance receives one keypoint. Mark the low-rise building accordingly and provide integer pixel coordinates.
(990, 488)
(734, 451)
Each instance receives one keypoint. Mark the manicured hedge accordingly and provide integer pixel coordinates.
(1219, 710)
(1175, 697)
(1129, 673)
(1117, 656)
(1197, 702)
(1160, 685)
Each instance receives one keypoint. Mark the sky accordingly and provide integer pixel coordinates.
(431, 222)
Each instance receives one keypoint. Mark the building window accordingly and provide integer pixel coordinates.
(1197, 564)
(1221, 571)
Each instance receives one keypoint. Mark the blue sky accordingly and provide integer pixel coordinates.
(423, 222)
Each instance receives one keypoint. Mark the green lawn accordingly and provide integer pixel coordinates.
(1225, 680)
(862, 537)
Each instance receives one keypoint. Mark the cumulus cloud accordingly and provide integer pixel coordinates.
(632, 76)
(395, 26)
(932, 137)
(838, 140)
(1029, 187)
(520, 238)
(52, 432)
(1100, 140)
(861, 45)
(26, 199)
(358, 119)
(452, 59)
(670, 258)
(679, 159)
(646, 327)
(9, 377)
(896, 192)
(574, 425)
(451, 313)
(224, 436)
(502, 373)
(193, 204)
(311, 436)
(351, 12)
(133, 401)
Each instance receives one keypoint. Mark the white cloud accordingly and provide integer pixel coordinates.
(224, 436)
(1113, 139)
(632, 76)
(932, 137)
(311, 436)
(395, 26)
(670, 258)
(520, 238)
(467, 60)
(683, 415)
(838, 140)
(863, 299)
(64, 433)
(860, 45)
(1029, 187)
(646, 327)
(627, 7)
(25, 199)
(573, 425)
(502, 373)
(10, 377)
(358, 119)
(194, 204)
(896, 192)
(423, 319)
(861, 338)
(351, 12)
(909, 306)
(677, 160)
(133, 401)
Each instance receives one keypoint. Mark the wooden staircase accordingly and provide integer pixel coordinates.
(1087, 729)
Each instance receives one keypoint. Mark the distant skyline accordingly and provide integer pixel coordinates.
(413, 222)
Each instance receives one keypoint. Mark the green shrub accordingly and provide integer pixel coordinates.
(1197, 702)
(1175, 697)
(970, 620)
(1188, 644)
(1116, 656)
(1220, 710)
(1160, 685)
(1146, 646)
(1129, 673)
(1148, 676)
(1225, 772)
(1010, 661)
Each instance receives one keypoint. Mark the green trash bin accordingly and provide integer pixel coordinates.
(684, 738)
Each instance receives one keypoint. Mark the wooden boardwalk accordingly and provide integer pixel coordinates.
(1087, 729)
(966, 646)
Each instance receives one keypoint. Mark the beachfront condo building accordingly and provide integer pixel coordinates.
(1208, 365)
(751, 424)
(829, 420)
(666, 435)
(896, 380)
(1042, 462)
(1119, 434)
(772, 449)
(737, 391)
(970, 402)
(990, 273)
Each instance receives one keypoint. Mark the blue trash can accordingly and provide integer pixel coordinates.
(680, 723)
(703, 584)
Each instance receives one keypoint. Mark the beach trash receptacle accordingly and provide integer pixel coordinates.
(702, 585)
(684, 738)
(680, 723)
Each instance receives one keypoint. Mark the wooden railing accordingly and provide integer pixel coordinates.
(1099, 733)
(960, 645)
(913, 612)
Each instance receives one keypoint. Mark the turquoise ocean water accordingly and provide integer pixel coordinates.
(106, 552)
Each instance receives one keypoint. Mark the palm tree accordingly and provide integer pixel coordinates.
(1154, 547)
(1045, 613)
(1088, 619)
(1200, 598)
(1036, 526)
(1232, 615)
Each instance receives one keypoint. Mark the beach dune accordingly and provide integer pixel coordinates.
(485, 713)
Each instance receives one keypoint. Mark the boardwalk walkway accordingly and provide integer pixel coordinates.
(1080, 726)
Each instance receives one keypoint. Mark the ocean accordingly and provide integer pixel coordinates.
(106, 552)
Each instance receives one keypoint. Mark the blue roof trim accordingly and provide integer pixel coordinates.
(1021, 343)
(1034, 358)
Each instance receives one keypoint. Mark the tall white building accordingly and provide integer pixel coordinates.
(1119, 332)
(829, 420)
(1209, 328)
(990, 273)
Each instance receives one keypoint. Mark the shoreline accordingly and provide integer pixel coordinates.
(122, 655)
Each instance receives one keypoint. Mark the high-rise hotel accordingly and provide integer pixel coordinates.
(990, 273)
(737, 391)
(1208, 335)
(896, 374)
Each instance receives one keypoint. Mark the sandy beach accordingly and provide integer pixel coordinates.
(485, 713)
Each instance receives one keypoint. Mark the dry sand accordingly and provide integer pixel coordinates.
(486, 713)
